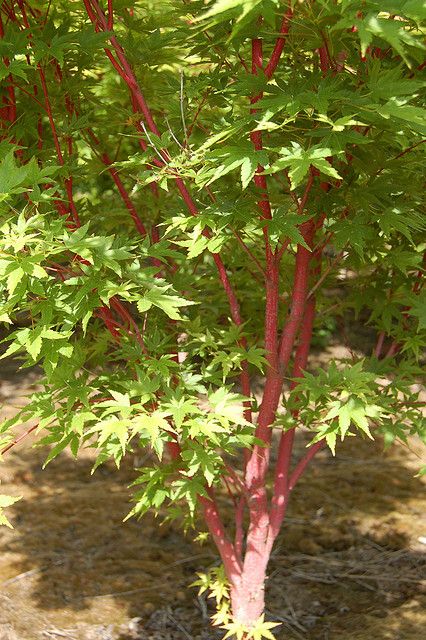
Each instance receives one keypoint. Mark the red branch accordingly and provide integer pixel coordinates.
(124, 194)
(17, 440)
(10, 102)
(379, 344)
(110, 15)
(214, 523)
(48, 107)
(258, 462)
(225, 547)
(122, 311)
(236, 317)
(281, 488)
(303, 463)
(50, 115)
(280, 43)
(68, 181)
(120, 186)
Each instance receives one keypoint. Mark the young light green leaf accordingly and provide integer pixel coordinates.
(6, 501)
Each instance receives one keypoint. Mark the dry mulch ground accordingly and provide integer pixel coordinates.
(348, 566)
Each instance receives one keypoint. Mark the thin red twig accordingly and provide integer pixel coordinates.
(110, 23)
(303, 463)
(17, 440)
(379, 344)
(280, 43)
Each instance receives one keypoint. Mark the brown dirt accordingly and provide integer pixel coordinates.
(348, 565)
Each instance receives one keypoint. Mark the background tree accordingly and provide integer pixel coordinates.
(180, 183)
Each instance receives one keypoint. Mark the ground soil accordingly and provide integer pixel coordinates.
(348, 565)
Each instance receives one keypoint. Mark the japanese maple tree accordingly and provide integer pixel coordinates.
(184, 186)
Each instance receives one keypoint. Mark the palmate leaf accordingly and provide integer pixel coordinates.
(179, 407)
(215, 582)
(223, 9)
(112, 427)
(220, 6)
(391, 31)
(152, 424)
(388, 83)
(248, 169)
(353, 410)
(6, 501)
(15, 179)
(415, 10)
(226, 159)
(189, 490)
(80, 419)
(389, 25)
(228, 405)
(11, 176)
(60, 446)
(165, 300)
(200, 460)
(14, 278)
(15, 68)
(260, 630)
(154, 489)
(244, 12)
(286, 225)
(418, 309)
(196, 244)
(300, 160)
(398, 108)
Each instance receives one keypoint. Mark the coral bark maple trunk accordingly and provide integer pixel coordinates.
(248, 595)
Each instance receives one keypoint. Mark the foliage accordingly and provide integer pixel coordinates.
(5, 501)
(182, 186)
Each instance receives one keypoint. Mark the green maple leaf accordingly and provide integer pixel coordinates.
(6, 501)
(170, 303)
(112, 427)
(418, 309)
(299, 161)
(11, 176)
